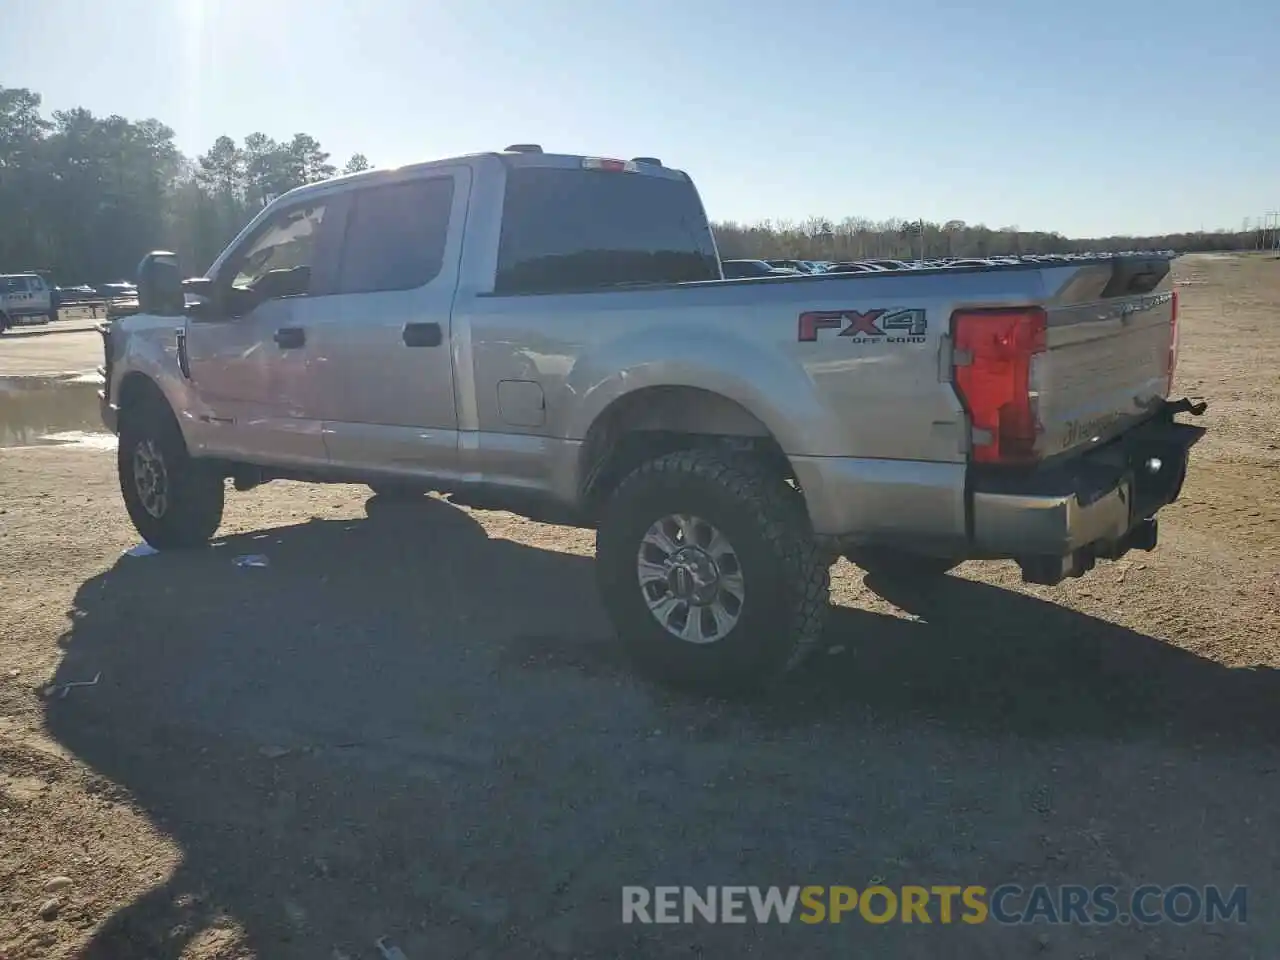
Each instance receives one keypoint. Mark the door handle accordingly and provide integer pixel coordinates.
(184, 361)
(422, 335)
(290, 338)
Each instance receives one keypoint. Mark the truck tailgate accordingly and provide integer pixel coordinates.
(1109, 351)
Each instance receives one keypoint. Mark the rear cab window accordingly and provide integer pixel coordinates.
(568, 229)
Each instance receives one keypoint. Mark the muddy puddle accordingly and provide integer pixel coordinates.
(41, 410)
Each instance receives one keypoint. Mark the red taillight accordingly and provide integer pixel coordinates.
(1173, 340)
(994, 379)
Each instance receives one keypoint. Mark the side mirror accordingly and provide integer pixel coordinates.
(198, 298)
(160, 284)
(199, 286)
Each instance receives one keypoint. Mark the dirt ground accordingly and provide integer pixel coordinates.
(413, 723)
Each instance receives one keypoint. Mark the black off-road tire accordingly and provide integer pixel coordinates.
(195, 493)
(786, 578)
(891, 564)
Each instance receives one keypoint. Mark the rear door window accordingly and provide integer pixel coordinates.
(573, 230)
(396, 235)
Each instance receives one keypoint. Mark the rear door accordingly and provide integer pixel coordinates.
(571, 227)
(1109, 339)
(40, 300)
(383, 377)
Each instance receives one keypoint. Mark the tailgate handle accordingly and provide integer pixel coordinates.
(422, 335)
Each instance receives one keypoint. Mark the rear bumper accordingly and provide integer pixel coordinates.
(1058, 520)
(1009, 524)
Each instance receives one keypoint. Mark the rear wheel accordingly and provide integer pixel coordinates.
(709, 572)
(173, 500)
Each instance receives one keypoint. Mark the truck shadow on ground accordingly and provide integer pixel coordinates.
(401, 726)
(991, 660)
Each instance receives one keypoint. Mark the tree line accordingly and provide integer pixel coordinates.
(82, 198)
(856, 238)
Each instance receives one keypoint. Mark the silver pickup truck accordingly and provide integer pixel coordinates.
(552, 335)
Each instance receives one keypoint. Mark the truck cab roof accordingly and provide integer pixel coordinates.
(646, 166)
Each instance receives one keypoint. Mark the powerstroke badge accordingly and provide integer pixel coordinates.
(886, 325)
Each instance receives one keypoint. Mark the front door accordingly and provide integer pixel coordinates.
(249, 350)
(19, 301)
(385, 386)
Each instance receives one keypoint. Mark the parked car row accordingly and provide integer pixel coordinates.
(798, 266)
(76, 294)
(82, 293)
(30, 298)
(737, 269)
(760, 268)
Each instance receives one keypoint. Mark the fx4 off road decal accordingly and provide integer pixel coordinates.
(888, 325)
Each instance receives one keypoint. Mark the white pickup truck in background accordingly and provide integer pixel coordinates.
(25, 297)
(552, 335)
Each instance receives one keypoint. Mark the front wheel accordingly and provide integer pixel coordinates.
(173, 500)
(709, 572)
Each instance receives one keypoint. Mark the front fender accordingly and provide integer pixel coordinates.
(772, 387)
(147, 345)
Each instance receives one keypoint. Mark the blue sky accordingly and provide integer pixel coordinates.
(1084, 117)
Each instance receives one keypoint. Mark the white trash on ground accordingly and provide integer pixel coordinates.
(65, 688)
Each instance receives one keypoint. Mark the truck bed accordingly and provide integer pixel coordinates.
(875, 377)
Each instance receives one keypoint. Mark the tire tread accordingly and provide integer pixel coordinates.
(197, 496)
(782, 520)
